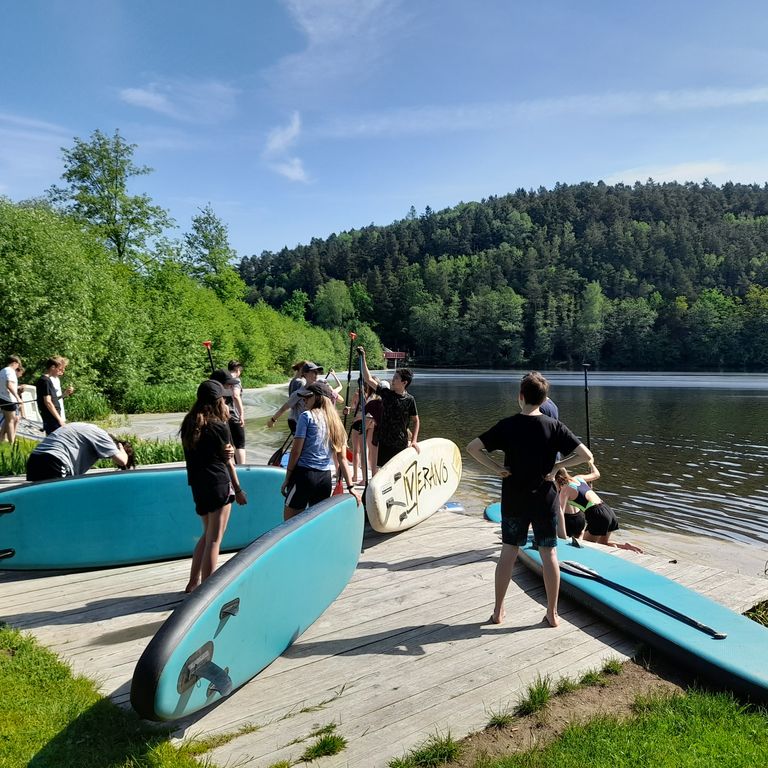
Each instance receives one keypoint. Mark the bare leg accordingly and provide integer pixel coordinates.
(289, 512)
(355, 454)
(551, 572)
(239, 455)
(214, 533)
(197, 559)
(503, 575)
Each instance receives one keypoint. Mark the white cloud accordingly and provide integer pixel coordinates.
(490, 116)
(208, 101)
(30, 155)
(717, 171)
(276, 150)
(345, 40)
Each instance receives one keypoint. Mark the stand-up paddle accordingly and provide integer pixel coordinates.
(274, 459)
(207, 345)
(585, 366)
(577, 569)
(363, 437)
(352, 337)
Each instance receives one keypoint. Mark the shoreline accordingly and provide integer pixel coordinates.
(261, 442)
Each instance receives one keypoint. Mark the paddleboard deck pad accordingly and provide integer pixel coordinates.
(492, 512)
(120, 518)
(249, 611)
(413, 485)
(711, 640)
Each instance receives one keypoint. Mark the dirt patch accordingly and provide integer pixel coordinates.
(615, 696)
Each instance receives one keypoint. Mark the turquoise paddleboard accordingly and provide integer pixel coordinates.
(493, 512)
(728, 649)
(249, 611)
(117, 518)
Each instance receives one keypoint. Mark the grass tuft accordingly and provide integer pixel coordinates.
(759, 613)
(565, 685)
(612, 667)
(328, 743)
(592, 677)
(500, 718)
(537, 698)
(435, 751)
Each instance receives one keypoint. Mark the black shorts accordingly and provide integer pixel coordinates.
(575, 523)
(237, 430)
(45, 466)
(386, 452)
(601, 520)
(537, 509)
(358, 426)
(8, 407)
(211, 498)
(307, 487)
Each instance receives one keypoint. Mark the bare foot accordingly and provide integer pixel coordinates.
(553, 621)
(496, 618)
(191, 587)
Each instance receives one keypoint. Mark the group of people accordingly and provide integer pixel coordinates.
(537, 492)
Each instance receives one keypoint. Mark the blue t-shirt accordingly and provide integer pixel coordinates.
(316, 452)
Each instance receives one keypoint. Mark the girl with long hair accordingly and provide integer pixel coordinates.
(581, 508)
(320, 437)
(211, 475)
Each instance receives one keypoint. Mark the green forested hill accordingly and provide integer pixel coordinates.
(650, 276)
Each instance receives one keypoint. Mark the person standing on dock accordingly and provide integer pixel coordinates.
(398, 412)
(530, 442)
(9, 397)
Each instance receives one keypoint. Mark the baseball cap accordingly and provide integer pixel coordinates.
(310, 366)
(225, 378)
(209, 391)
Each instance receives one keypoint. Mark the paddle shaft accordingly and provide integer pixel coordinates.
(361, 403)
(274, 459)
(352, 337)
(577, 569)
(586, 401)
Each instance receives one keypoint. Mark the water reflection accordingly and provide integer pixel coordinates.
(678, 452)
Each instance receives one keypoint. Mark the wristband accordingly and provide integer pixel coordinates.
(238, 490)
(349, 488)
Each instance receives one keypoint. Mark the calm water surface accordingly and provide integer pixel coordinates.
(677, 452)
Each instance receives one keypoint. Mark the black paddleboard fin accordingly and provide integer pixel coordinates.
(219, 679)
(6, 553)
(6, 509)
(230, 609)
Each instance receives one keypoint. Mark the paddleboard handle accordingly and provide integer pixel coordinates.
(6, 553)
(219, 679)
(6, 509)
(230, 609)
(578, 569)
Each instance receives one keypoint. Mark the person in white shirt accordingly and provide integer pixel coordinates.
(56, 381)
(9, 398)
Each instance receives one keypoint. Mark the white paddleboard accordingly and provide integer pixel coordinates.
(412, 486)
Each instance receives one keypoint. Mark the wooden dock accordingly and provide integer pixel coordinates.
(402, 654)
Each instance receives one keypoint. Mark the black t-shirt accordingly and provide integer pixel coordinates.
(396, 413)
(206, 465)
(44, 386)
(530, 445)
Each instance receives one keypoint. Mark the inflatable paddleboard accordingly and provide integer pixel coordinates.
(117, 518)
(711, 640)
(412, 486)
(493, 512)
(249, 611)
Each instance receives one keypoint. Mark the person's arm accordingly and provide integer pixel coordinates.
(339, 386)
(293, 459)
(367, 378)
(120, 457)
(561, 533)
(240, 496)
(13, 389)
(287, 405)
(415, 432)
(592, 475)
(477, 451)
(582, 455)
(48, 404)
(239, 404)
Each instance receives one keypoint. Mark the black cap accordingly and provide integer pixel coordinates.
(209, 392)
(316, 388)
(310, 366)
(225, 378)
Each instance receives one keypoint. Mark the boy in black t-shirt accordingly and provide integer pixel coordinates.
(530, 441)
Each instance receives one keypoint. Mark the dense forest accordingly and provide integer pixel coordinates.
(87, 273)
(650, 276)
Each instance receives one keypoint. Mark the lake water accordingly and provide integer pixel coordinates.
(685, 453)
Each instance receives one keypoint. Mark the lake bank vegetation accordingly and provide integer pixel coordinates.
(88, 274)
(646, 277)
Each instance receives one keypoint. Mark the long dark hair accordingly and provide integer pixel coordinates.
(198, 418)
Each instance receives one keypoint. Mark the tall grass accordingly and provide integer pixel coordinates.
(157, 398)
(87, 406)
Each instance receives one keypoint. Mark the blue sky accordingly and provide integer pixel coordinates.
(298, 118)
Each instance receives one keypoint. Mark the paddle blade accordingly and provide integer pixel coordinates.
(339, 489)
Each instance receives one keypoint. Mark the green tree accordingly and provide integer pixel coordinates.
(333, 306)
(296, 306)
(97, 173)
(590, 323)
(208, 256)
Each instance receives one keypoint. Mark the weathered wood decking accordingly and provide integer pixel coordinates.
(402, 653)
